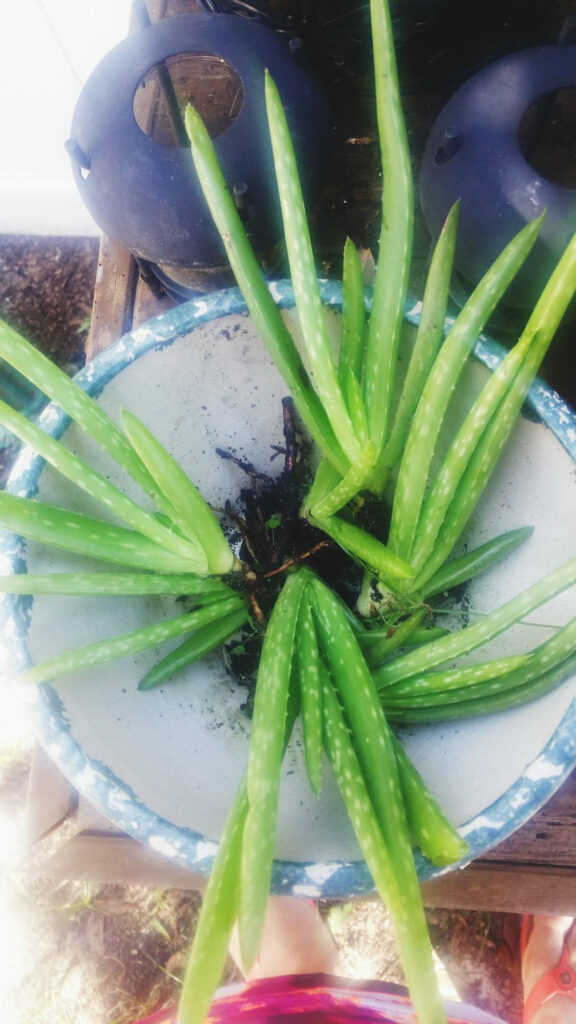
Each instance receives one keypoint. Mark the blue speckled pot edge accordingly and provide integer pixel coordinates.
(334, 880)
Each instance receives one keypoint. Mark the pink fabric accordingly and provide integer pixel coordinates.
(319, 999)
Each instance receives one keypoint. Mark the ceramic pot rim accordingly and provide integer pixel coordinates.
(114, 798)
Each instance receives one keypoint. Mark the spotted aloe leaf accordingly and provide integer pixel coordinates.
(209, 951)
(102, 652)
(85, 535)
(260, 303)
(366, 548)
(304, 278)
(93, 483)
(470, 638)
(309, 673)
(264, 763)
(428, 340)
(192, 513)
(414, 942)
(119, 584)
(395, 241)
(436, 393)
(90, 416)
(202, 641)
(351, 353)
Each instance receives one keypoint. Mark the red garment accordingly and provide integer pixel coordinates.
(319, 999)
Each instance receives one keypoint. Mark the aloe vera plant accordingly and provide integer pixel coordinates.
(366, 441)
(349, 672)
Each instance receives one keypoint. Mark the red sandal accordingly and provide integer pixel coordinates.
(558, 981)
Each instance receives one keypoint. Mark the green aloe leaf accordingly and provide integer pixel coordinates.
(487, 678)
(478, 560)
(304, 277)
(485, 703)
(325, 480)
(88, 480)
(468, 677)
(366, 548)
(377, 645)
(395, 242)
(84, 535)
(193, 514)
(43, 373)
(429, 826)
(391, 866)
(217, 917)
(366, 765)
(463, 641)
(220, 906)
(310, 683)
(429, 417)
(261, 305)
(264, 764)
(102, 652)
(351, 354)
(348, 487)
(200, 643)
(356, 407)
(429, 337)
(353, 682)
(468, 465)
(112, 584)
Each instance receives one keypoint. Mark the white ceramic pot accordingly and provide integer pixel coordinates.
(163, 765)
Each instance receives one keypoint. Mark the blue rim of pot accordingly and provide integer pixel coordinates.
(113, 797)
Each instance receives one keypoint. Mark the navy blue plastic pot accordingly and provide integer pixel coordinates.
(145, 194)
(473, 154)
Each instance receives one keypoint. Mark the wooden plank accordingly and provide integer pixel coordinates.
(497, 887)
(505, 888)
(158, 9)
(549, 837)
(503, 881)
(115, 859)
(122, 300)
(50, 800)
(116, 280)
(67, 838)
(147, 304)
(88, 819)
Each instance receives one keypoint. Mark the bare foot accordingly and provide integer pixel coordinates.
(295, 941)
(543, 952)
